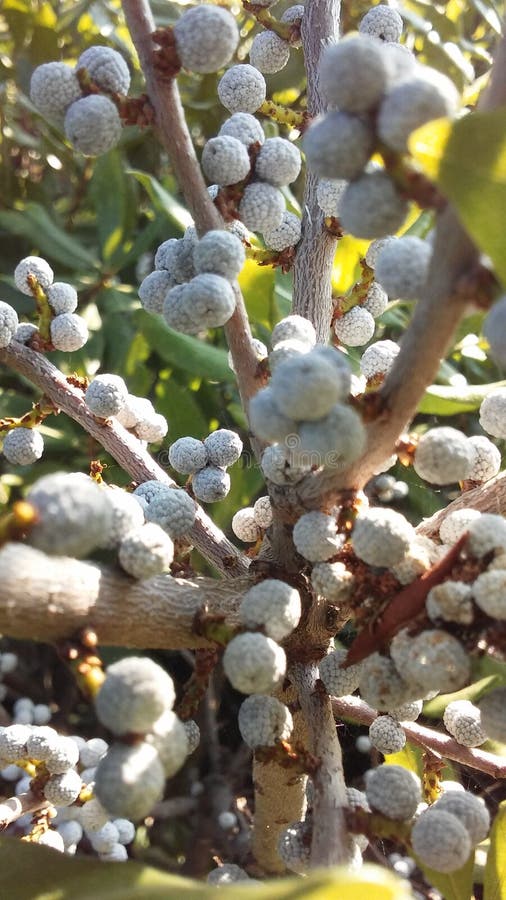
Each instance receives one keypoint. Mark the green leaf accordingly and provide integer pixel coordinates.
(435, 708)
(448, 400)
(494, 884)
(453, 885)
(30, 871)
(468, 161)
(182, 411)
(108, 188)
(183, 351)
(410, 758)
(161, 199)
(257, 286)
(35, 224)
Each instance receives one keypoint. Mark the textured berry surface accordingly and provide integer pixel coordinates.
(187, 455)
(469, 810)
(415, 101)
(221, 253)
(354, 73)
(402, 267)
(382, 22)
(372, 207)
(455, 524)
(68, 332)
(93, 125)
(262, 207)
(432, 661)
(332, 580)
(463, 720)
(242, 89)
(294, 327)
(489, 592)
(23, 446)
(225, 160)
(278, 162)
(487, 459)
(381, 537)
(146, 551)
(206, 38)
(269, 53)
(287, 234)
(379, 358)
(63, 789)
(278, 469)
(223, 447)
(244, 525)
(262, 511)
(329, 192)
(53, 87)
(62, 297)
(106, 67)
(386, 735)
(211, 300)
(304, 387)
(338, 146)
(315, 536)
(486, 533)
(339, 682)
(211, 484)
(493, 413)
(273, 605)
(393, 791)
(450, 601)
(381, 685)
(173, 509)
(169, 736)
(443, 456)
(33, 267)
(376, 300)
(8, 323)
(244, 127)
(106, 395)
(440, 840)
(135, 693)
(129, 780)
(263, 721)
(74, 515)
(408, 712)
(253, 663)
(355, 328)
(153, 290)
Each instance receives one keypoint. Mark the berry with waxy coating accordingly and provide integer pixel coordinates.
(129, 780)
(206, 38)
(463, 720)
(376, 300)
(253, 663)
(278, 162)
(456, 523)
(372, 207)
(432, 661)
(440, 840)
(187, 455)
(148, 490)
(277, 468)
(35, 267)
(450, 601)
(273, 605)
(153, 290)
(242, 89)
(74, 514)
(393, 791)
(53, 87)
(244, 127)
(92, 815)
(244, 525)
(267, 419)
(381, 686)
(53, 839)
(329, 192)
(268, 52)
(24, 332)
(354, 73)
(332, 580)
(315, 536)
(425, 96)
(193, 735)
(40, 743)
(294, 326)
(287, 234)
(169, 736)
(381, 537)
(64, 755)
(294, 846)
(338, 146)
(151, 427)
(387, 735)
(146, 551)
(487, 459)
(221, 253)
(92, 125)
(294, 15)
(8, 323)
(225, 160)
(489, 593)
(486, 533)
(469, 810)
(382, 22)
(285, 350)
(135, 693)
(104, 839)
(92, 752)
(64, 788)
(223, 447)
(262, 510)
(402, 267)
(338, 681)
(304, 387)
(68, 332)
(178, 313)
(374, 249)
(174, 510)
(493, 714)
(443, 456)
(106, 67)
(408, 712)
(263, 721)
(117, 853)
(211, 300)
(259, 349)
(262, 207)
(379, 358)
(23, 446)
(332, 441)
(211, 484)
(355, 328)
(106, 395)
(13, 742)
(493, 413)
(62, 297)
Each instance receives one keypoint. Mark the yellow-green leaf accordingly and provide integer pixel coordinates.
(494, 883)
(467, 159)
(435, 708)
(450, 400)
(454, 885)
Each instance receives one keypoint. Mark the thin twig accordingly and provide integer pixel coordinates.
(124, 447)
(15, 807)
(355, 710)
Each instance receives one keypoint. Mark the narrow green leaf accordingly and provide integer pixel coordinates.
(183, 351)
(35, 224)
(494, 884)
(180, 407)
(162, 200)
(448, 400)
(435, 708)
(454, 885)
(108, 189)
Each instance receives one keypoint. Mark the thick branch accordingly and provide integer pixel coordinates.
(330, 844)
(356, 710)
(15, 807)
(175, 137)
(48, 598)
(124, 447)
(312, 289)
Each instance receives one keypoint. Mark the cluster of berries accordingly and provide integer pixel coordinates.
(107, 397)
(192, 284)
(377, 94)
(206, 462)
(84, 100)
